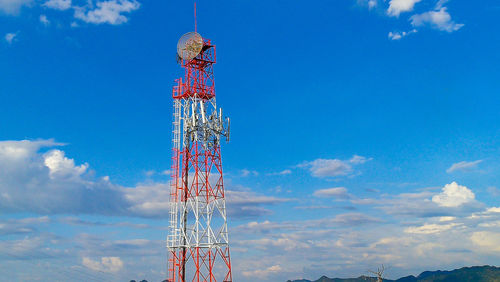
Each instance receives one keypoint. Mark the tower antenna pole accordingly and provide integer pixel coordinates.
(195, 24)
(198, 240)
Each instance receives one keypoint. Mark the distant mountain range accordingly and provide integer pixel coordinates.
(465, 274)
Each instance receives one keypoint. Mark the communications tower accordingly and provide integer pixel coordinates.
(197, 242)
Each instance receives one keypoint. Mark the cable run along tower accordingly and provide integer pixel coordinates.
(197, 242)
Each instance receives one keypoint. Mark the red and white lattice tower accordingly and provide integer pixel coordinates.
(197, 242)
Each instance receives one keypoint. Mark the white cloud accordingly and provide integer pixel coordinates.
(58, 4)
(325, 168)
(396, 7)
(439, 19)
(51, 183)
(333, 167)
(440, 4)
(44, 20)
(368, 3)
(337, 192)
(430, 228)
(249, 204)
(487, 241)
(425, 204)
(265, 227)
(340, 220)
(60, 166)
(29, 247)
(359, 159)
(246, 173)
(493, 210)
(13, 7)
(21, 226)
(346, 249)
(494, 191)
(10, 37)
(454, 195)
(19, 151)
(107, 264)
(346, 219)
(262, 273)
(283, 172)
(463, 166)
(148, 200)
(399, 35)
(395, 35)
(110, 12)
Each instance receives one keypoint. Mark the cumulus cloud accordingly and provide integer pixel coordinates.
(431, 241)
(95, 246)
(13, 7)
(262, 273)
(359, 159)
(488, 241)
(249, 204)
(60, 166)
(107, 264)
(58, 4)
(441, 3)
(44, 20)
(439, 19)
(30, 247)
(326, 168)
(52, 183)
(399, 35)
(406, 204)
(78, 221)
(148, 200)
(347, 219)
(494, 191)
(337, 192)
(94, 12)
(11, 37)
(463, 166)
(283, 172)
(265, 227)
(110, 12)
(246, 173)
(368, 3)
(333, 167)
(21, 226)
(452, 200)
(430, 228)
(338, 221)
(396, 7)
(454, 195)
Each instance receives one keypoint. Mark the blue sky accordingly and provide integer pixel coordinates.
(363, 133)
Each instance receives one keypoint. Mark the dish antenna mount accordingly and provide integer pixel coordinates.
(189, 45)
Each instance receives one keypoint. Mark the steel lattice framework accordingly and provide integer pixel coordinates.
(198, 236)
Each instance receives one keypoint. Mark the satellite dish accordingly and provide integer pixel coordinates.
(190, 45)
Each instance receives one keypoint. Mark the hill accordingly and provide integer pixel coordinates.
(466, 274)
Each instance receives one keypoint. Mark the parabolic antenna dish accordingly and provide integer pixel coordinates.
(190, 45)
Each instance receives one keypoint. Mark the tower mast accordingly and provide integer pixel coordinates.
(198, 241)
